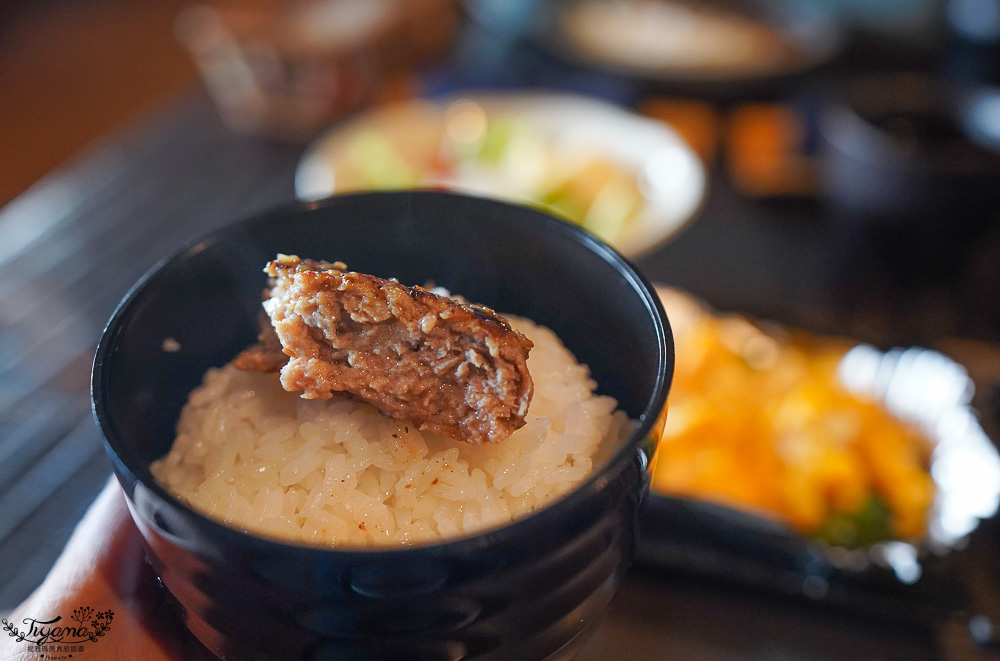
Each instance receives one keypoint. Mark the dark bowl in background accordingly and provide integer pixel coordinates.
(896, 153)
(530, 590)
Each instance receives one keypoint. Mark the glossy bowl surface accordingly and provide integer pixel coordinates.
(530, 590)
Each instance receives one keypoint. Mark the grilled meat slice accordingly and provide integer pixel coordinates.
(452, 368)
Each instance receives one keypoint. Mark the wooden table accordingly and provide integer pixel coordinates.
(72, 246)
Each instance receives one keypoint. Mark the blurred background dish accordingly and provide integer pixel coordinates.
(795, 444)
(629, 180)
(715, 42)
(907, 167)
(913, 152)
(286, 69)
(852, 456)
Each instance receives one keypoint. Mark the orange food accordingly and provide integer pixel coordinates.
(697, 123)
(761, 422)
(764, 151)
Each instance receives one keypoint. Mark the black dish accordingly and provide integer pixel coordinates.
(529, 590)
(899, 154)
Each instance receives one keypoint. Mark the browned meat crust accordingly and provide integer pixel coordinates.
(266, 355)
(456, 369)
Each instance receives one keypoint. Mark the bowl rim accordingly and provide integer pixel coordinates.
(496, 536)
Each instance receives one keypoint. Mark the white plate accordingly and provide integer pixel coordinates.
(668, 173)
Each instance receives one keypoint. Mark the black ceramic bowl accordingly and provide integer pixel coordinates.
(896, 151)
(529, 590)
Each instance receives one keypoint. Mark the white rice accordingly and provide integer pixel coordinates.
(338, 472)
